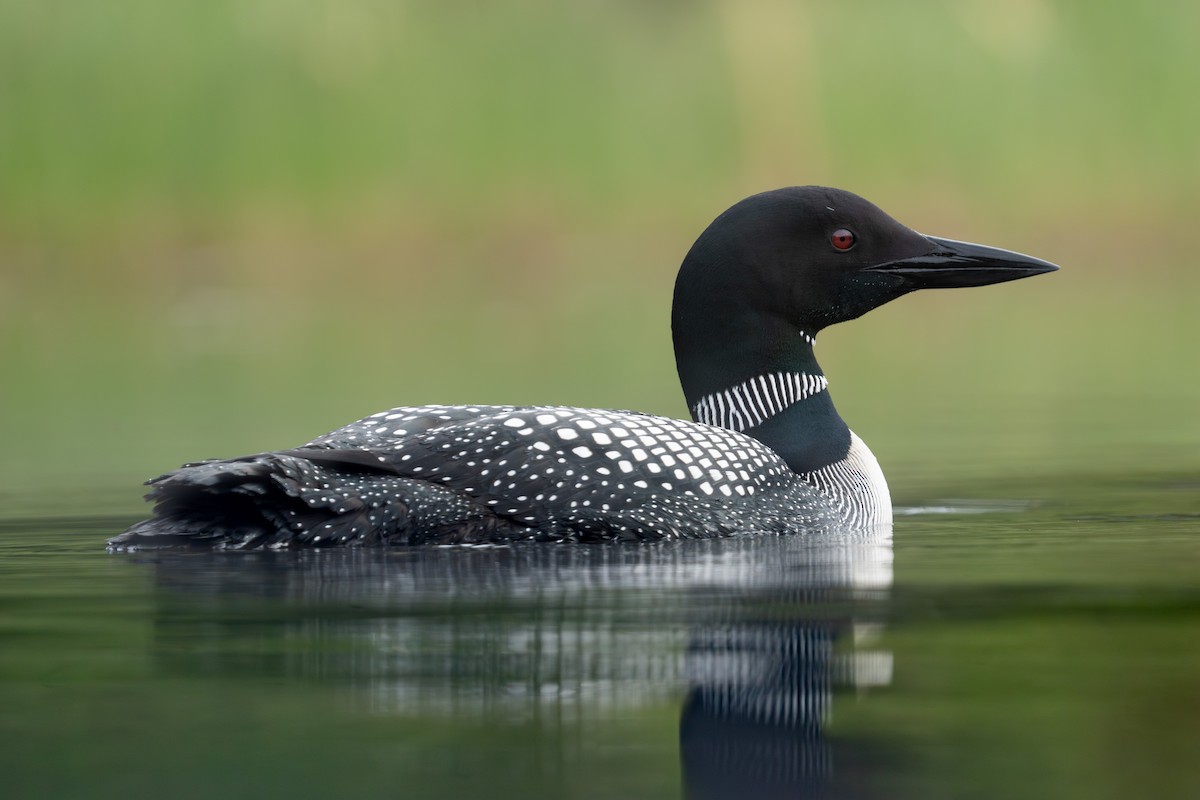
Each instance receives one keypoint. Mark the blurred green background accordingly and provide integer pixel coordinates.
(229, 226)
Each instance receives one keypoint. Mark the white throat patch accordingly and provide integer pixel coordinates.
(753, 402)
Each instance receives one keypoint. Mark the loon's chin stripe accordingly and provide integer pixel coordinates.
(753, 402)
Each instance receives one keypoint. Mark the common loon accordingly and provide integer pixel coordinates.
(766, 452)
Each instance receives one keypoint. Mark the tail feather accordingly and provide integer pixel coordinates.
(274, 500)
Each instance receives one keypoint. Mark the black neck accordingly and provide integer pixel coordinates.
(716, 365)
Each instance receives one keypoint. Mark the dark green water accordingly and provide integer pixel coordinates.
(1042, 649)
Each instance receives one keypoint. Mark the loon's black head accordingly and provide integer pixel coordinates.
(797, 260)
(817, 256)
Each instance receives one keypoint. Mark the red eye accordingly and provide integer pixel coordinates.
(842, 239)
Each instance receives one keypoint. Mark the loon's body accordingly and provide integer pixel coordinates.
(766, 452)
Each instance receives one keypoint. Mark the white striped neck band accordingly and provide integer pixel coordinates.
(753, 402)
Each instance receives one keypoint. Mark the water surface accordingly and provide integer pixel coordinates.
(1003, 648)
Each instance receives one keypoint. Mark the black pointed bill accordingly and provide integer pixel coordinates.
(956, 264)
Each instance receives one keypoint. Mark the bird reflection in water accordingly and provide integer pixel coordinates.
(758, 633)
(764, 671)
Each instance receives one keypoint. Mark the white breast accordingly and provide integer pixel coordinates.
(855, 485)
